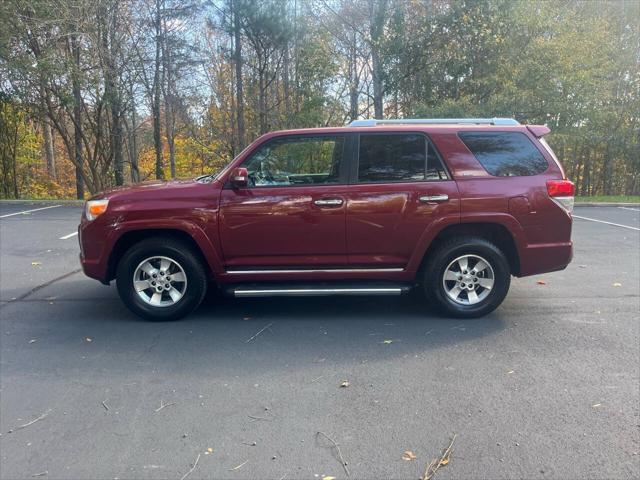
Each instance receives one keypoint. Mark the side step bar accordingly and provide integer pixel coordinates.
(315, 292)
(319, 290)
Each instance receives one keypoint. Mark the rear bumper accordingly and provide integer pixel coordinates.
(543, 258)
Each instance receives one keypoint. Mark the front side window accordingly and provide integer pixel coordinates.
(398, 158)
(296, 161)
(505, 154)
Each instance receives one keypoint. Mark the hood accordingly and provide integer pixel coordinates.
(149, 188)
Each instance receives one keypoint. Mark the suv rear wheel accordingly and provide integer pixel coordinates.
(467, 277)
(161, 279)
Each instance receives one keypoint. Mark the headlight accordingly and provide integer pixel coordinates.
(95, 208)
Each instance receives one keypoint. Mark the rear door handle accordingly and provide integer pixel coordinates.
(329, 202)
(434, 198)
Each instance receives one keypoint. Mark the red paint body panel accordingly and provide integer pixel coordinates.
(385, 222)
(378, 226)
(282, 227)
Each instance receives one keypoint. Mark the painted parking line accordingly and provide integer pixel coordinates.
(607, 223)
(66, 237)
(630, 208)
(29, 211)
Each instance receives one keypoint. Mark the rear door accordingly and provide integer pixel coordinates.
(399, 187)
(292, 213)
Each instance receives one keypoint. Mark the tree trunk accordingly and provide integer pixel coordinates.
(155, 108)
(377, 10)
(169, 96)
(14, 163)
(376, 75)
(607, 180)
(77, 119)
(49, 152)
(239, 83)
(262, 98)
(112, 92)
(133, 144)
(285, 86)
(353, 80)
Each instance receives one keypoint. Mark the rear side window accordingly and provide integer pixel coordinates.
(398, 158)
(505, 154)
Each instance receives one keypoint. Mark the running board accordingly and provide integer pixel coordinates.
(320, 290)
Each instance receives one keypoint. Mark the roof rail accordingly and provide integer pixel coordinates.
(432, 121)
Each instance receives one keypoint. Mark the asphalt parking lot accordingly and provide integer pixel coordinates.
(545, 387)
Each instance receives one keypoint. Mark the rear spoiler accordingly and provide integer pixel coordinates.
(538, 131)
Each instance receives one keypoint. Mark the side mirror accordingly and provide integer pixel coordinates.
(240, 178)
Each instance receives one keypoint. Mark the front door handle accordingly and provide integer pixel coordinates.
(329, 202)
(434, 198)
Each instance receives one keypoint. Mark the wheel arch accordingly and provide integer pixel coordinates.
(130, 237)
(497, 233)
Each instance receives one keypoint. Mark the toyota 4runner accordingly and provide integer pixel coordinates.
(452, 207)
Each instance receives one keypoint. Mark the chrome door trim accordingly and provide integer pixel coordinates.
(322, 270)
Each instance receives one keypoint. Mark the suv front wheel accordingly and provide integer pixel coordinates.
(161, 279)
(467, 277)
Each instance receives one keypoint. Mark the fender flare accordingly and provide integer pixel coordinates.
(438, 226)
(194, 231)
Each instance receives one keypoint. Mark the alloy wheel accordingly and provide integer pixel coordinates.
(468, 280)
(160, 281)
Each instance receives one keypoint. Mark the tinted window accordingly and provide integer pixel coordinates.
(391, 158)
(505, 154)
(296, 161)
(398, 158)
(435, 169)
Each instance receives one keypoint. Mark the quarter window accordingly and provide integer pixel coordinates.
(398, 158)
(505, 154)
(297, 161)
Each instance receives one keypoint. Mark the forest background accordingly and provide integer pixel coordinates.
(96, 94)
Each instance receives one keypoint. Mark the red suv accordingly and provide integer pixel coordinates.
(453, 207)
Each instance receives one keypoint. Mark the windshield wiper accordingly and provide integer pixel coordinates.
(205, 178)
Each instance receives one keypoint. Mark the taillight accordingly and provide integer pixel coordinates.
(561, 192)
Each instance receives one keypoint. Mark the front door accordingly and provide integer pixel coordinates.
(399, 187)
(292, 213)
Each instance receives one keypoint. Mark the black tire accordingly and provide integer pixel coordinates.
(437, 263)
(195, 287)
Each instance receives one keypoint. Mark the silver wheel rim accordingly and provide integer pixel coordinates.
(468, 280)
(160, 281)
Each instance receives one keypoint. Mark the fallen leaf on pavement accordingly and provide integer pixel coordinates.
(541, 282)
(344, 384)
(408, 455)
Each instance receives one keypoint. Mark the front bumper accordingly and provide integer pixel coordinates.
(92, 239)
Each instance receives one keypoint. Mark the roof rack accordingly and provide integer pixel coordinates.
(431, 121)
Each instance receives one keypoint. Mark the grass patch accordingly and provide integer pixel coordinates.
(610, 198)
